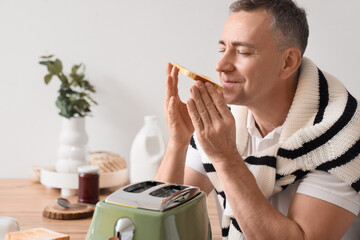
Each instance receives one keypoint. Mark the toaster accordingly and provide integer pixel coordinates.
(152, 210)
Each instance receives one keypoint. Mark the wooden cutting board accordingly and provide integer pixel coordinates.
(61, 213)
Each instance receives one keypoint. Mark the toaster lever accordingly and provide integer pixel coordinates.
(124, 229)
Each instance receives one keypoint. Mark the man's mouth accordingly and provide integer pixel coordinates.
(229, 83)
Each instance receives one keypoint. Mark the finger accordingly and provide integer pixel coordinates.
(174, 74)
(169, 83)
(167, 99)
(218, 100)
(168, 69)
(172, 114)
(171, 87)
(194, 115)
(199, 104)
(208, 102)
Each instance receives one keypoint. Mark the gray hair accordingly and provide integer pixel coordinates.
(289, 25)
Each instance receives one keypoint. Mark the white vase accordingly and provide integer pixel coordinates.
(72, 151)
(147, 151)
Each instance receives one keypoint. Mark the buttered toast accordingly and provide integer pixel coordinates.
(197, 76)
(36, 234)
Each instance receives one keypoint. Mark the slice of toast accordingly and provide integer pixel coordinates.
(197, 76)
(36, 234)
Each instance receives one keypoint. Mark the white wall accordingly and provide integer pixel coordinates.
(125, 46)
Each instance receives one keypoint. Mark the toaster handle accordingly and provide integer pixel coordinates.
(124, 229)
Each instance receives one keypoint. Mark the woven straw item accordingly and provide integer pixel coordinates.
(107, 161)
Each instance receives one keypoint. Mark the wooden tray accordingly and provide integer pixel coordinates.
(61, 213)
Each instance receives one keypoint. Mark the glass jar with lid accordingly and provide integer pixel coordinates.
(88, 184)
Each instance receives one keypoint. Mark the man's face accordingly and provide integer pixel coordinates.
(250, 60)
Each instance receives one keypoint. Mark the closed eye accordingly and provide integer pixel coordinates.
(243, 53)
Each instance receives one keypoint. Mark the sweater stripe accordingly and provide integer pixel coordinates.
(209, 167)
(235, 224)
(299, 174)
(307, 147)
(324, 97)
(349, 155)
(222, 194)
(192, 142)
(269, 161)
(225, 231)
(356, 185)
(278, 176)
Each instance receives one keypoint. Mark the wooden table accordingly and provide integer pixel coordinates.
(25, 201)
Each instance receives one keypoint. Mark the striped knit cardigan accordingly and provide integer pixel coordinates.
(321, 131)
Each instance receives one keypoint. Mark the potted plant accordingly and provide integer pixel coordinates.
(74, 102)
(74, 93)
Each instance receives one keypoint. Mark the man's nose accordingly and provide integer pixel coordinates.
(225, 63)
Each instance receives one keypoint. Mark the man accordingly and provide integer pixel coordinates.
(285, 160)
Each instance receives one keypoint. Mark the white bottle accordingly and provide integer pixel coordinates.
(146, 152)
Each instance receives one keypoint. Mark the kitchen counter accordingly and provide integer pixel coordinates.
(25, 201)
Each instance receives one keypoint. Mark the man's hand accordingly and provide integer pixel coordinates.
(176, 114)
(172, 168)
(213, 122)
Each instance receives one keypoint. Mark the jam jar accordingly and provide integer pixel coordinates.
(88, 184)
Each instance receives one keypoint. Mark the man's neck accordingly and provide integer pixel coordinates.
(273, 113)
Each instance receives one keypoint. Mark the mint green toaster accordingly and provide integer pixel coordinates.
(153, 211)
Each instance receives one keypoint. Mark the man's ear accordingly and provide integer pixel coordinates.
(291, 62)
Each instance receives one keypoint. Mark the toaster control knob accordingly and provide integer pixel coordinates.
(124, 229)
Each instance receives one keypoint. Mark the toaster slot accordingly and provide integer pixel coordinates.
(141, 187)
(174, 195)
(167, 191)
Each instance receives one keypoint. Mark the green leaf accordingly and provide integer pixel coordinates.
(77, 79)
(58, 66)
(44, 63)
(87, 86)
(80, 77)
(47, 57)
(62, 103)
(64, 80)
(47, 78)
(90, 98)
(74, 82)
(51, 68)
(75, 68)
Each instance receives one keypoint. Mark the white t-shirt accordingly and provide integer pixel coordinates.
(318, 184)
